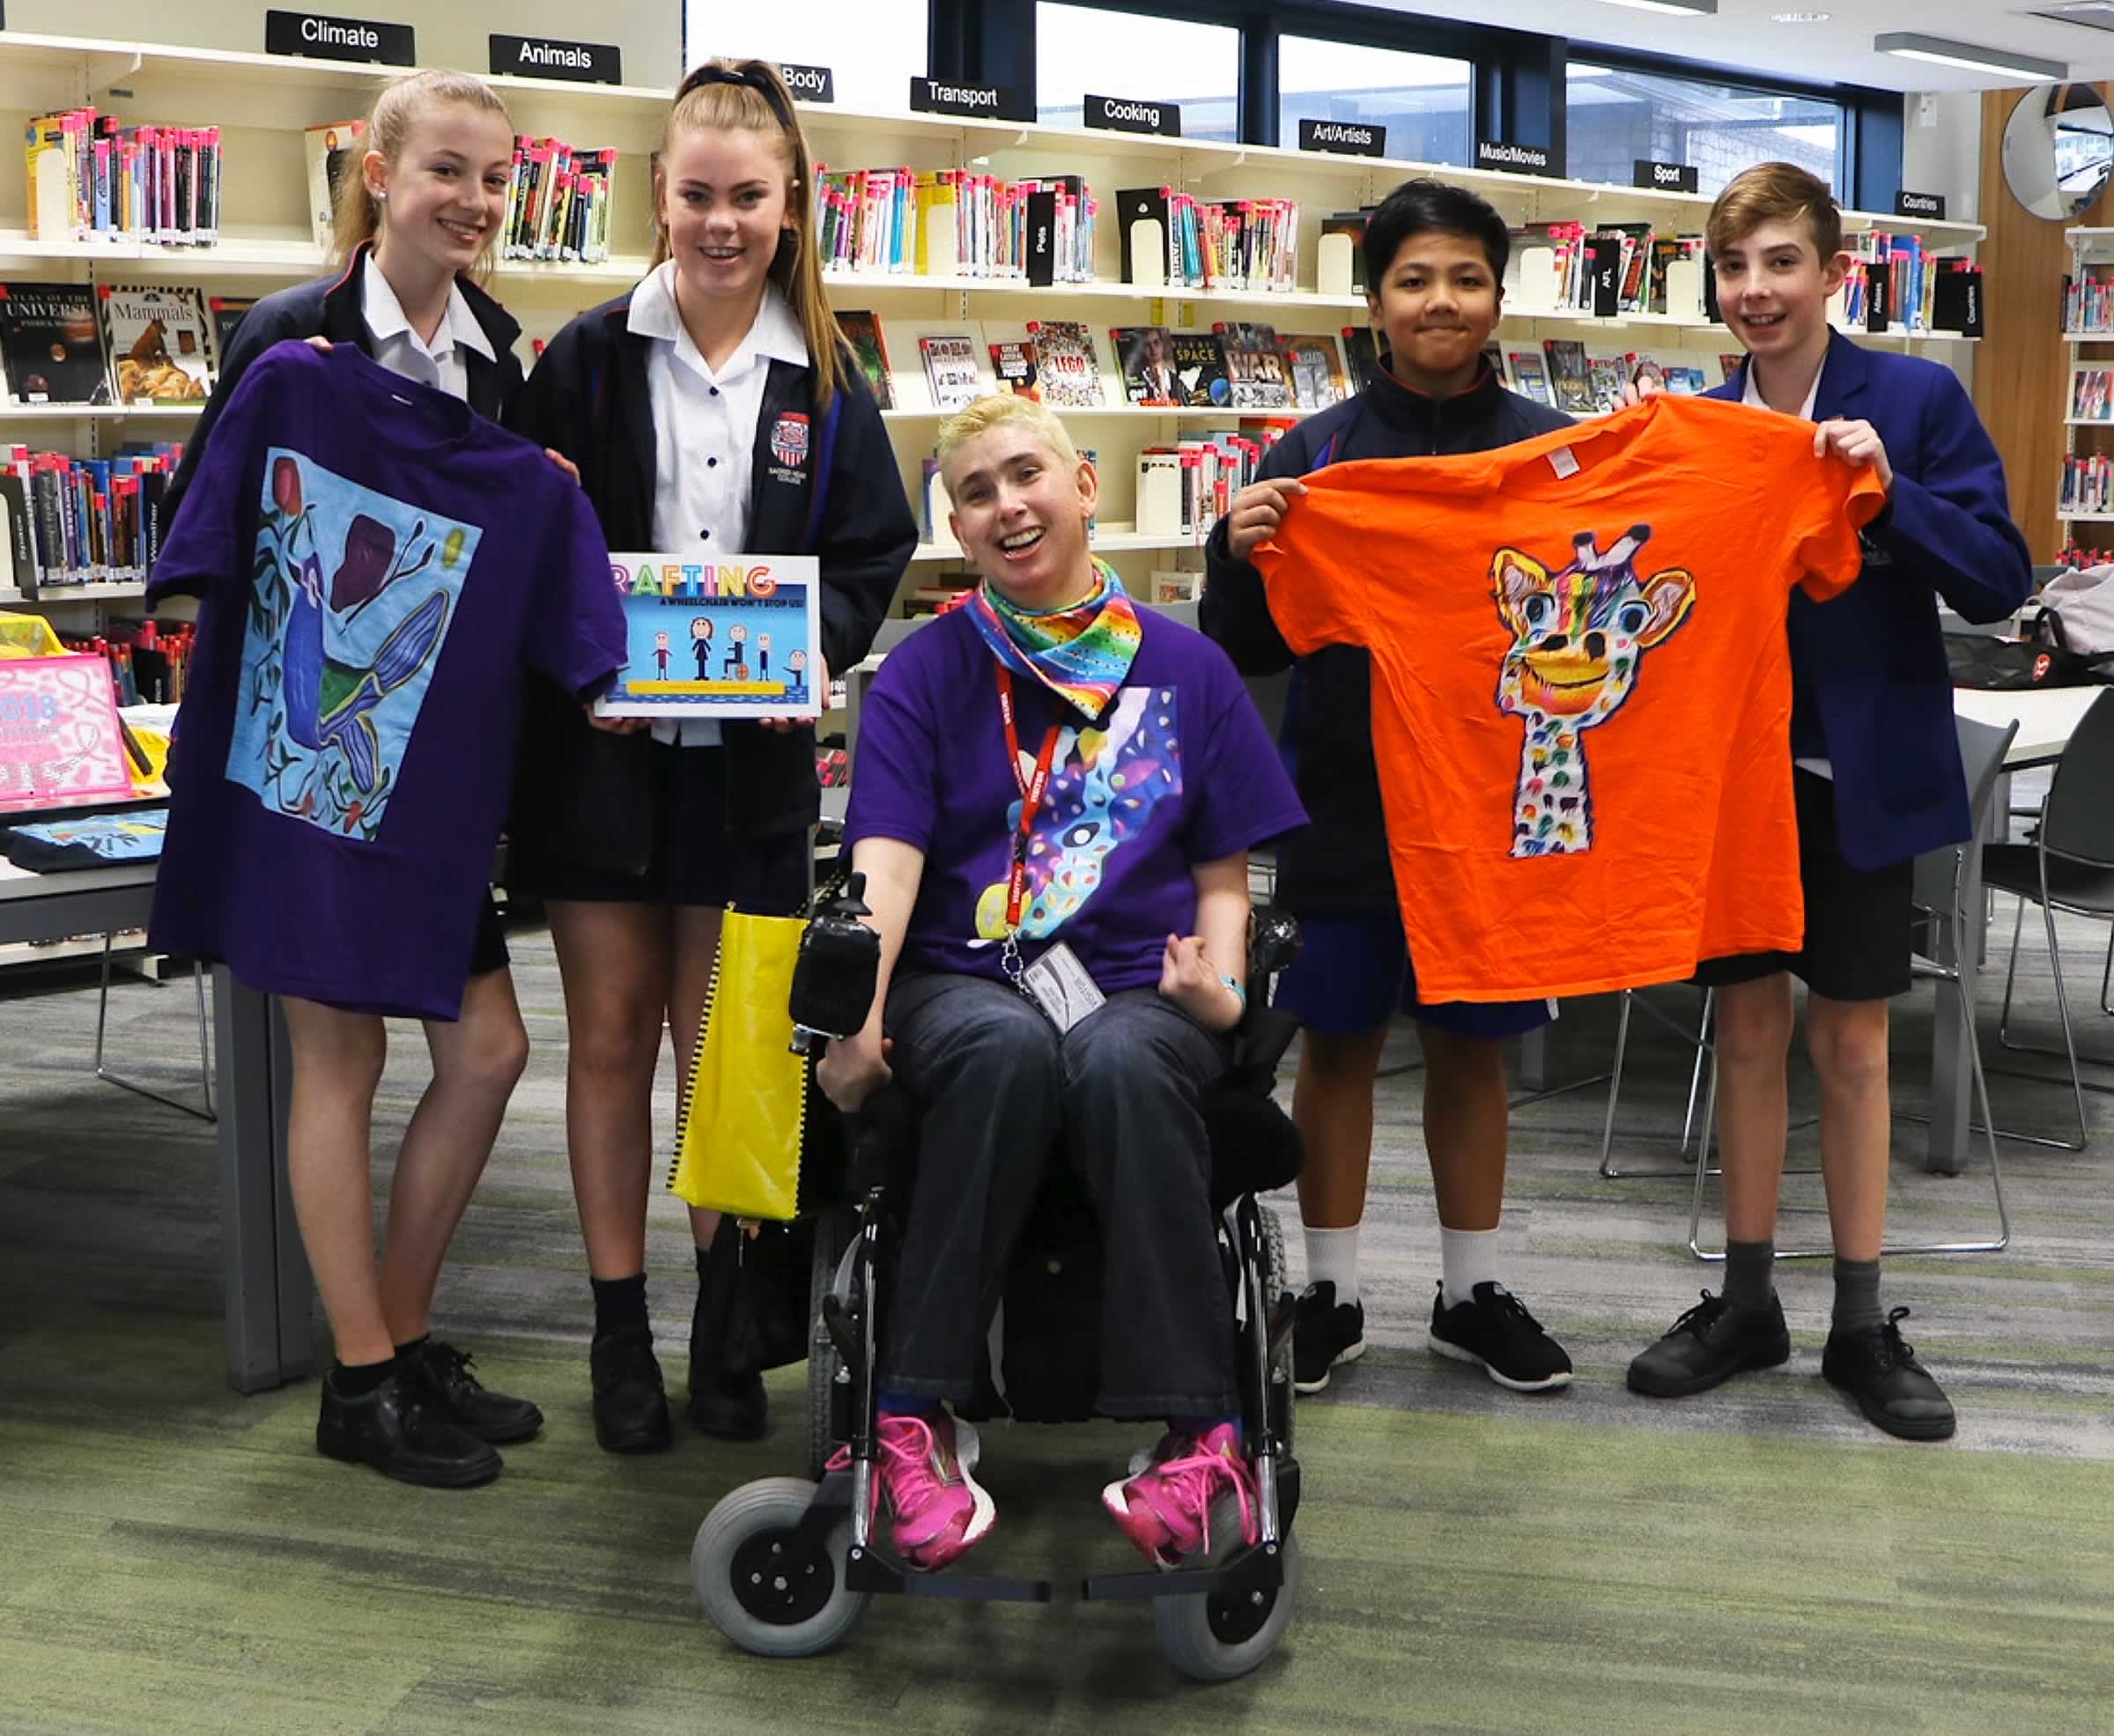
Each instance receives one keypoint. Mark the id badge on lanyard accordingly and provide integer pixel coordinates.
(1058, 983)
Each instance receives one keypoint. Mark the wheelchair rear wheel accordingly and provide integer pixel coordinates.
(833, 1236)
(1217, 1636)
(766, 1586)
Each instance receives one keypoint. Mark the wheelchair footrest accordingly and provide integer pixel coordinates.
(867, 1571)
(1257, 1568)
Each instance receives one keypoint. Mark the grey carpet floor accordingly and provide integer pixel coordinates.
(174, 1558)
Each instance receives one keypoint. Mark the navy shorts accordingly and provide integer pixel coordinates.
(1353, 974)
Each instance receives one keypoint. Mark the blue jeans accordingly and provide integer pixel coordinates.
(998, 1093)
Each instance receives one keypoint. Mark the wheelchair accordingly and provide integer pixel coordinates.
(785, 1566)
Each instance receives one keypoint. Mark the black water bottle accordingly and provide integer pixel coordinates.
(838, 970)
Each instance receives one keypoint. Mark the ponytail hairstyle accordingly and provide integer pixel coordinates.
(387, 128)
(752, 96)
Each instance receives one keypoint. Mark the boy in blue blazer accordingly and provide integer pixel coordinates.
(1878, 780)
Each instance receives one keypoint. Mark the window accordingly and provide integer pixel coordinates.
(1617, 117)
(1422, 99)
(874, 48)
(1119, 54)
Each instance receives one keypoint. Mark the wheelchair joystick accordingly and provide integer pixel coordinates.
(837, 970)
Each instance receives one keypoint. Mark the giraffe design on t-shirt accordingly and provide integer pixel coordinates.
(1579, 636)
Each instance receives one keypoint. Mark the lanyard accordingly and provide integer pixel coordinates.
(1031, 791)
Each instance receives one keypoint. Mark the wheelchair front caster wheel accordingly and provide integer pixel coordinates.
(766, 1586)
(1220, 1635)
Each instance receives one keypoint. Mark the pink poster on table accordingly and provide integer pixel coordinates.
(59, 736)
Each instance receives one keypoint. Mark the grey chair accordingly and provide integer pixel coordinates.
(205, 1053)
(1701, 1039)
(1940, 890)
(2069, 866)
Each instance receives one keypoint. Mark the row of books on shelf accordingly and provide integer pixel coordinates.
(73, 521)
(2092, 395)
(90, 345)
(1163, 586)
(2087, 483)
(92, 178)
(1175, 239)
(957, 223)
(1564, 374)
(559, 202)
(2088, 302)
(1235, 366)
(2076, 554)
(1612, 270)
(149, 660)
(1897, 282)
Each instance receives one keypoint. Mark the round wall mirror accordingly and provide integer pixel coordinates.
(2058, 150)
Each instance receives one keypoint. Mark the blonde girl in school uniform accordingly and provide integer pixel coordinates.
(712, 411)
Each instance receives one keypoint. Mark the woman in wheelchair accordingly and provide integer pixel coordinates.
(1055, 798)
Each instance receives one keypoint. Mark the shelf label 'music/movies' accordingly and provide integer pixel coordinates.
(543, 57)
(323, 38)
(1133, 115)
(1491, 154)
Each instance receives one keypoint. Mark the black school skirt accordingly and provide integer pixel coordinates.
(694, 858)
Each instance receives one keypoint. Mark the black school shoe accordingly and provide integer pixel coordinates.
(1324, 1333)
(440, 1374)
(1878, 1368)
(394, 1429)
(1495, 1330)
(727, 1406)
(1709, 1345)
(631, 1404)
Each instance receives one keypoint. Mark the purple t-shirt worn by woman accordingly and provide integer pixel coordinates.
(380, 567)
(1179, 771)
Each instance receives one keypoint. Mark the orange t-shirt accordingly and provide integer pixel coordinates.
(1581, 684)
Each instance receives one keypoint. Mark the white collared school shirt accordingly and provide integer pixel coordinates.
(704, 433)
(400, 349)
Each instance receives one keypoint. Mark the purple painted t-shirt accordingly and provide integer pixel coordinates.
(1179, 771)
(380, 566)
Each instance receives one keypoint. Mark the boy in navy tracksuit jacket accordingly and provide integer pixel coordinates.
(1878, 782)
(1435, 259)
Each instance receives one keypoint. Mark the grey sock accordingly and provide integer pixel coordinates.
(1749, 1273)
(1856, 1294)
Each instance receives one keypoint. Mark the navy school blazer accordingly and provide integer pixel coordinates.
(1872, 659)
(582, 795)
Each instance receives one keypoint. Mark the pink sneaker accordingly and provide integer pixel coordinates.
(941, 1510)
(1166, 1510)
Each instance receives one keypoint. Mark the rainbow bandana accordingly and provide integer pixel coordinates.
(1080, 654)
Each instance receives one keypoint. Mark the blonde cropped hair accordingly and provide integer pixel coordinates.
(357, 217)
(1775, 193)
(1000, 410)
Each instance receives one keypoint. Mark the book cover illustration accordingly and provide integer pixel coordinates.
(157, 343)
(1150, 376)
(1317, 370)
(1254, 365)
(862, 331)
(736, 639)
(327, 150)
(1568, 375)
(61, 737)
(1200, 366)
(1364, 355)
(1530, 378)
(52, 345)
(1013, 365)
(1064, 356)
(228, 312)
(1605, 375)
(1493, 354)
(1729, 366)
(951, 369)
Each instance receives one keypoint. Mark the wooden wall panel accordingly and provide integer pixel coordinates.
(2022, 367)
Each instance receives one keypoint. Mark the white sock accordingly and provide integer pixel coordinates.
(1470, 1258)
(1331, 1258)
